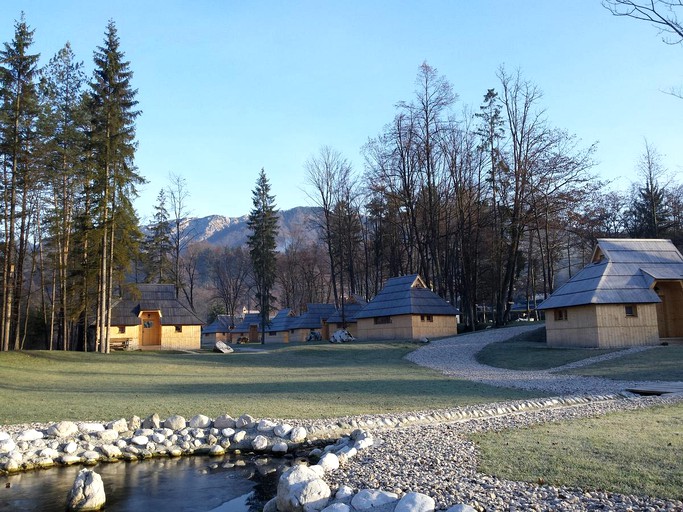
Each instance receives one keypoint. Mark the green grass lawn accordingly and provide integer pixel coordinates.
(659, 363)
(632, 452)
(529, 351)
(293, 381)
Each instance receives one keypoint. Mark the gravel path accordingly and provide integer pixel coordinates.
(455, 357)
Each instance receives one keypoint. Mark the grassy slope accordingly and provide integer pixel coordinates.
(528, 351)
(310, 381)
(633, 453)
(658, 363)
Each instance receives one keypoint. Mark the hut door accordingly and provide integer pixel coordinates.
(253, 333)
(670, 310)
(662, 324)
(151, 328)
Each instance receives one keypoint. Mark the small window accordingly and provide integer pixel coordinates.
(631, 310)
(426, 318)
(178, 328)
(122, 329)
(380, 320)
(272, 333)
(560, 315)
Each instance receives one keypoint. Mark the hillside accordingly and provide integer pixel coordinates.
(218, 230)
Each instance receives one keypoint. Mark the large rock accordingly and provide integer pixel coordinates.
(298, 435)
(370, 498)
(245, 421)
(7, 446)
(222, 348)
(175, 422)
(224, 421)
(415, 502)
(87, 492)
(200, 421)
(266, 426)
(62, 429)
(461, 507)
(152, 422)
(329, 462)
(30, 435)
(259, 443)
(89, 428)
(120, 425)
(337, 507)
(282, 430)
(300, 489)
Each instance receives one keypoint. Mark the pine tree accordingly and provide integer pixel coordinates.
(63, 130)
(263, 223)
(19, 110)
(114, 178)
(158, 244)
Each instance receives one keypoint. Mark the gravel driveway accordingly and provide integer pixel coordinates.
(455, 357)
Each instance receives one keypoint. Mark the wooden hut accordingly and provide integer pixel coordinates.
(150, 317)
(630, 294)
(218, 330)
(314, 319)
(406, 309)
(248, 329)
(346, 318)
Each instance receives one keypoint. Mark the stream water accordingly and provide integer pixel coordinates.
(188, 484)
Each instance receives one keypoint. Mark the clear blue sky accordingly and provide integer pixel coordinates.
(228, 87)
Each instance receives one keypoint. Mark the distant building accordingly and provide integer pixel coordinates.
(630, 294)
(218, 330)
(352, 306)
(150, 317)
(406, 309)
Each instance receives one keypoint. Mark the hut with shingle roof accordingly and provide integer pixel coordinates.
(406, 309)
(150, 317)
(630, 294)
(346, 318)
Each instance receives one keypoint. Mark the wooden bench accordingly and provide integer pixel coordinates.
(119, 344)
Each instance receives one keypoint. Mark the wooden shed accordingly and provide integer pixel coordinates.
(406, 309)
(314, 319)
(150, 317)
(630, 294)
(248, 328)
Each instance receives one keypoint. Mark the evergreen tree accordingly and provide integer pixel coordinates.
(263, 223)
(158, 244)
(111, 104)
(19, 108)
(63, 130)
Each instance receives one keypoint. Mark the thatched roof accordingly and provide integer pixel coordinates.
(406, 295)
(622, 271)
(152, 297)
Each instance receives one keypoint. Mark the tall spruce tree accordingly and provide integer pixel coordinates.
(158, 244)
(19, 109)
(63, 130)
(112, 145)
(263, 223)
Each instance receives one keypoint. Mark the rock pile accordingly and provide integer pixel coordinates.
(67, 443)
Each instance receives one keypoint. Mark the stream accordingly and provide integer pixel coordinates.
(189, 484)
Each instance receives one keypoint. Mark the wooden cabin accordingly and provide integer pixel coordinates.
(630, 294)
(346, 318)
(314, 319)
(406, 309)
(218, 330)
(150, 317)
(248, 329)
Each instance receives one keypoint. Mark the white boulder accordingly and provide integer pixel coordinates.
(200, 421)
(224, 421)
(329, 462)
(415, 502)
(87, 492)
(282, 430)
(30, 435)
(62, 429)
(300, 489)
(371, 498)
(175, 422)
(259, 443)
(298, 435)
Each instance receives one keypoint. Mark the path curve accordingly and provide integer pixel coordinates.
(455, 357)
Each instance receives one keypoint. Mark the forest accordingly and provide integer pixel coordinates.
(492, 205)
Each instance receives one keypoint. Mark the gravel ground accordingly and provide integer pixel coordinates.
(438, 459)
